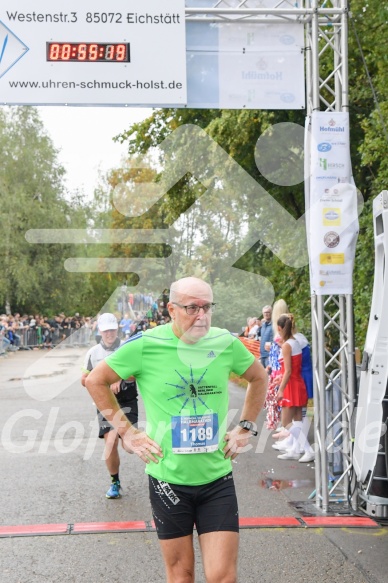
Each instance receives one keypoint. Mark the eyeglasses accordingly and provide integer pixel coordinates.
(193, 310)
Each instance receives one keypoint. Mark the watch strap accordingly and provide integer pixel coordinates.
(249, 426)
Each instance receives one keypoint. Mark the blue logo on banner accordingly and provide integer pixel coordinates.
(324, 147)
(11, 49)
(331, 216)
(287, 97)
(287, 39)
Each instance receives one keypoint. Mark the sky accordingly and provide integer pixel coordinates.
(83, 136)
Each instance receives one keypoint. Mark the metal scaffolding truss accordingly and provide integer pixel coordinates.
(326, 47)
(332, 316)
(259, 10)
(334, 394)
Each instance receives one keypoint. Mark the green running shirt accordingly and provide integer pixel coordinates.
(185, 393)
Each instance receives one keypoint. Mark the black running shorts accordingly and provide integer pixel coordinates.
(176, 508)
(131, 412)
(127, 399)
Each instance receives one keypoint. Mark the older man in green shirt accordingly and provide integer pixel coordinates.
(182, 370)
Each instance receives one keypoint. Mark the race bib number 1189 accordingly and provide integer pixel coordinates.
(195, 433)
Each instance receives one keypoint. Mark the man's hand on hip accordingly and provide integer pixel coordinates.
(138, 442)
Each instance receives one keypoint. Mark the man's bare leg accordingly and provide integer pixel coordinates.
(219, 556)
(111, 454)
(178, 555)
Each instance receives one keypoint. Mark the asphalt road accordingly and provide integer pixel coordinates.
(52, 472)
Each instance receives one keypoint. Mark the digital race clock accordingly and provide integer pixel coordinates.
(88, 52)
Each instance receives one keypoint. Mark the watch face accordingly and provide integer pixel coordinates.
(245, 424)
(249, 426)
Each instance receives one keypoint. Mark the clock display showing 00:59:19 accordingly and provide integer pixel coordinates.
(87, 52)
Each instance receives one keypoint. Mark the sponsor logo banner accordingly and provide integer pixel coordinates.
(332, 219)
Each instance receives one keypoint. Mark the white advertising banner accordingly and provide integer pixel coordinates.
(253, 66)
(333, 217)
(93, 52)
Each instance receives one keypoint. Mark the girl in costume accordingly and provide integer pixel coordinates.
(292, 393)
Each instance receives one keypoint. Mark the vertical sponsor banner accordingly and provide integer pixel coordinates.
(333, 218)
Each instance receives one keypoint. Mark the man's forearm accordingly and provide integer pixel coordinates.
(109, 407)
(106, 402)
(254, 399)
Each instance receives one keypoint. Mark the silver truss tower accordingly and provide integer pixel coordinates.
(326, 30)
(332, 316)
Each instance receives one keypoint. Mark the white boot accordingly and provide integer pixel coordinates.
(284, 444)
(309, 454)
(296, 432)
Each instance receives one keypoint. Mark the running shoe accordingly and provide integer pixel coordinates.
(114, 490)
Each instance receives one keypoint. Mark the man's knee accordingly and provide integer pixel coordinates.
(179, 574)
(222, 576)
(178, 556)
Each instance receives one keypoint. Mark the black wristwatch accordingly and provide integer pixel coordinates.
(249, 426)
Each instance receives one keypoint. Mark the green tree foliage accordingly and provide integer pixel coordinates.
(238, 131)
(221, 232)
(368, 65)
(32, 276)
(368, 98)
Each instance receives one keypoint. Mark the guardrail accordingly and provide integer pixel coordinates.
(40, 337)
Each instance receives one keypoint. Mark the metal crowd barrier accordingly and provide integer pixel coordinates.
(35, 337)
(79, 337)
(30, 337)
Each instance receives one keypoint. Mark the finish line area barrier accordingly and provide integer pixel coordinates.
(40, 337)
(149, 526)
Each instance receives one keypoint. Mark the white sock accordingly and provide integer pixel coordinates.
(295, 429)
(305, 430)
(296, 433)
(287, 441)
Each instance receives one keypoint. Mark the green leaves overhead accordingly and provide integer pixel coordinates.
(237, 131)
(32, 277)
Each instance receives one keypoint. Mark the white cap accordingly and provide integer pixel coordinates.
(107, 322)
